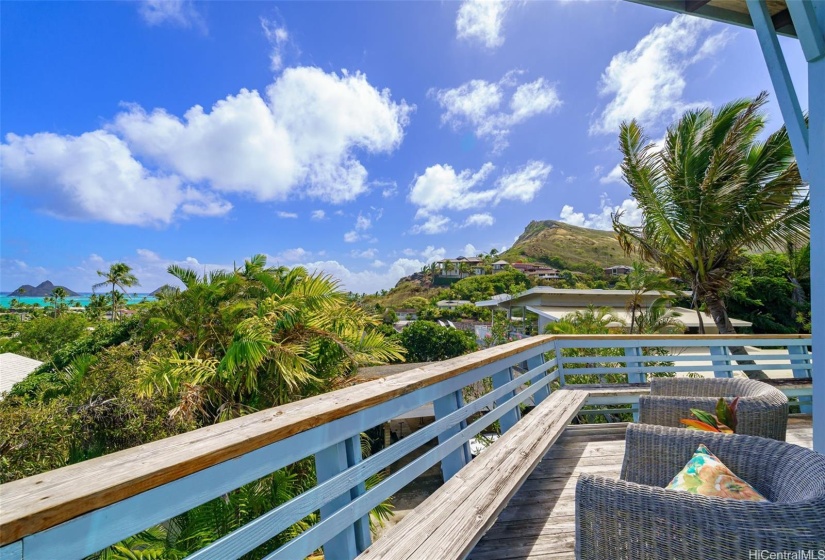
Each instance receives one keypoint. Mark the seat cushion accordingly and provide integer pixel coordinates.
(706, 475)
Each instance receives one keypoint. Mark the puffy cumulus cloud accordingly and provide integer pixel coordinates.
(179, 13)
(483, 105)
(631, 214)
(479, 220)
(318, 215)
(441, 188)
(481, 20)
(301, 140)
(647, 82)
(431, 254)
(147, 168)
(363, 222)
(291, 255)
(435, 223)
(277, 35)
(286, 215)
(524, 184)
(351, 236)
(470, 250)
(94, 176)
(365, 254)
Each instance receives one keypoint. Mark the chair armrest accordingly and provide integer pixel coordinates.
(667, 410)
(623, 520)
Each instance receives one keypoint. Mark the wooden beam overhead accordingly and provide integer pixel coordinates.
(781, 19)
(693, 5)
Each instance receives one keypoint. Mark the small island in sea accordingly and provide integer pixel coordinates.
(43, 289)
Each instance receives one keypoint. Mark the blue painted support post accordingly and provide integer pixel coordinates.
(816, 183)
(13, 551)
(720, 351)
(634, 376)
(559, 365)
(544, 392)
(453, 462)
(512, 416)
(782, 85)
(328, 463)
(802, 358)
(363, 538)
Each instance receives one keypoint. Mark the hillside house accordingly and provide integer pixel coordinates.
(617, 270)
(553, 304)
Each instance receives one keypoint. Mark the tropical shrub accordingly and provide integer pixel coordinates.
(426, 341)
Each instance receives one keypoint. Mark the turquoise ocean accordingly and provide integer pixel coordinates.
(81, 300)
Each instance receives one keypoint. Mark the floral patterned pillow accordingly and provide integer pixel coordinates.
(706, 475)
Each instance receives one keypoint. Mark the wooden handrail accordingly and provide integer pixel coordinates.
(42, 501)
(39, 502)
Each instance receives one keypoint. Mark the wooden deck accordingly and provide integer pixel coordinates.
(539, 523)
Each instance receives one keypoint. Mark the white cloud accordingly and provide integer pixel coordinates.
(351, 236)
(479, 220)
(365, 254)
(388, 188)
(145, 254)
(367, 281)
(615, 176)
(300, 141)
(525, 183)
(277, 35)
(363, 222)
(470, 250)
(631, 214)
(287, 215)
(647, 82)
(318, 215)
(378, 264)
(95, 177)
(179, 13)
(441, 188)
(435, 223)
(291, 255)
(480, 20)
(570, 179)
(431, 254)
(478, 104)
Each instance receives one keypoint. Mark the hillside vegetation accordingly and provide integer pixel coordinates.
(567, 247)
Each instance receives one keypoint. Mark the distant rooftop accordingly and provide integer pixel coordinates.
(15, 368)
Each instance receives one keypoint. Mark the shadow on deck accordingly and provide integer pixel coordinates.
(539, 523)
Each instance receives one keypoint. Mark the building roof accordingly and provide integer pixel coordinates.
(501, 261)
(728, 11)
(15, 368)
(686, 316)
(451, 302)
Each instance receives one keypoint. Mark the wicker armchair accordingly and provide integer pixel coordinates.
(636, 518)
(762, 409)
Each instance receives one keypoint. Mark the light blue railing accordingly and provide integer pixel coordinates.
(80, 509)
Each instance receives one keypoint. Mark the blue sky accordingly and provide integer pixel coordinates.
(364, 139)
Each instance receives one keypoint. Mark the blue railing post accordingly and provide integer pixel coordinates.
(512, 416)
(363, 538)
(328, 463)
(453, 462)
(544, 392)
(720, 351)
(634, 376)
(803, 358)
(559, 365)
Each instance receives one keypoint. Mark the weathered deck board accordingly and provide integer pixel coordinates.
(538, 523)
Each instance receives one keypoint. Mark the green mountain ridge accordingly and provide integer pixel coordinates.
(567, 247)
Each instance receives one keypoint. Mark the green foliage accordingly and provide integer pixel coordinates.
(46, 376)
(426, 341)
(715, 190)
(761, 292)
(39, 338)
(477, 288)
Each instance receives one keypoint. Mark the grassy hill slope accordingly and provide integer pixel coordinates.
(567, 247)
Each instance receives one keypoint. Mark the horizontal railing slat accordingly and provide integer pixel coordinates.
(80, 509)
(36, 503)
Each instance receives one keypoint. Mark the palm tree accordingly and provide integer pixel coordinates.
(59, 296)
(119, 276)
(641, 280)
(657, 319)
(464, 269)
(711, 193)
(799, 268)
